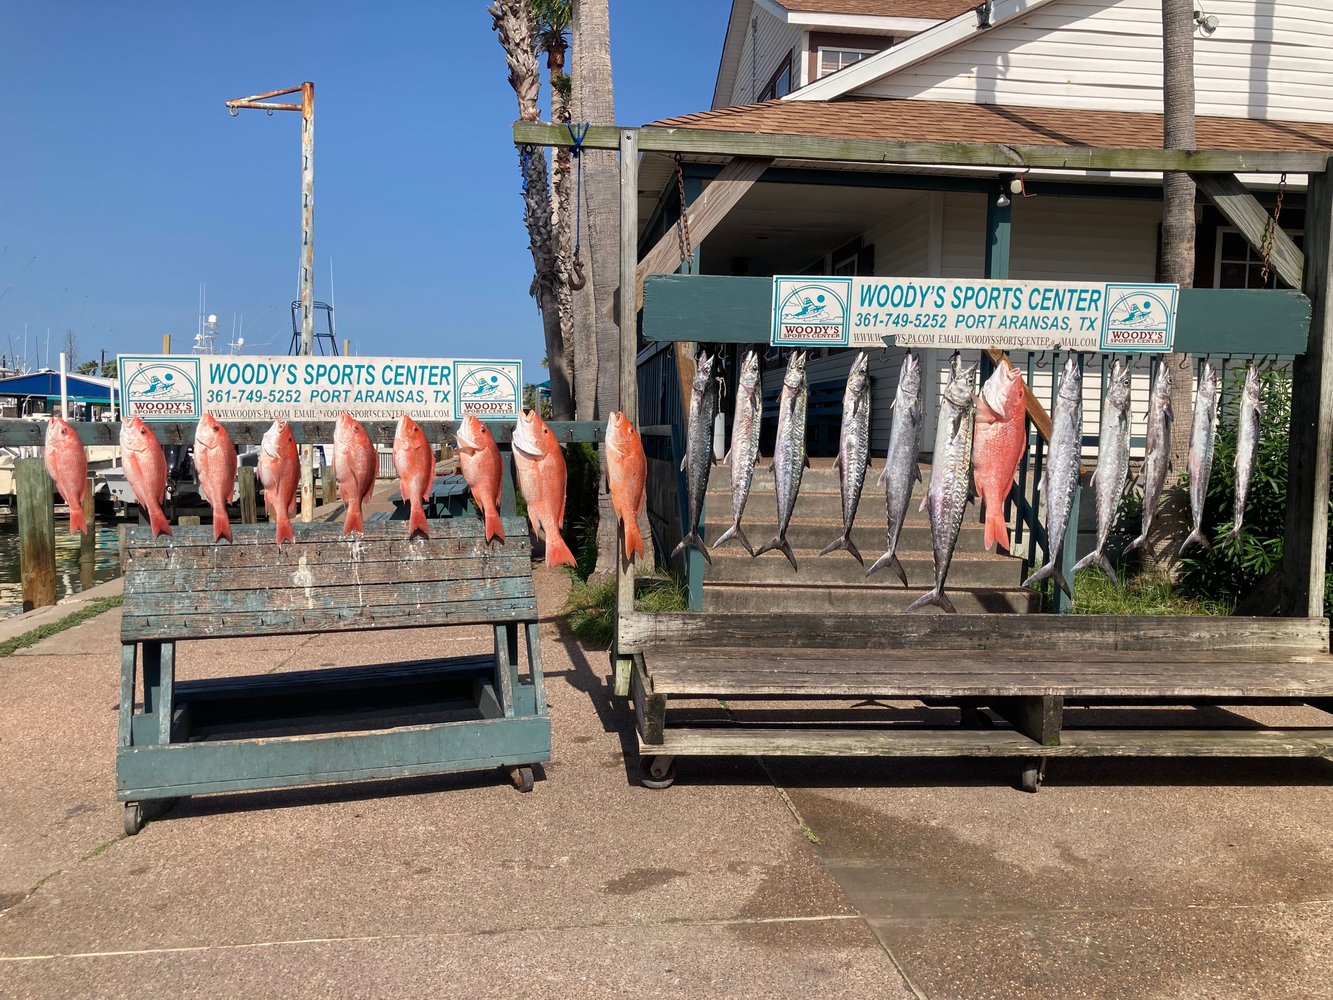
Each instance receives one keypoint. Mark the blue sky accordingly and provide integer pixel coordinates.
(124, 182)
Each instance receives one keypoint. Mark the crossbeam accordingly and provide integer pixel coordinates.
(1242, 209)
(715, 142)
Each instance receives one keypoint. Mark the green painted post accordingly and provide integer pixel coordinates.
(694, 560)
(998, 224)
(37, 533)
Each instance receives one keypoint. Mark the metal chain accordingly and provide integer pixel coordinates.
(1266, 250)
(683, 223)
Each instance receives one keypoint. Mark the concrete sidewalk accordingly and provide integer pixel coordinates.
(931, 879)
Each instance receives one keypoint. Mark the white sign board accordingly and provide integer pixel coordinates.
(240, 387)
(964, 313)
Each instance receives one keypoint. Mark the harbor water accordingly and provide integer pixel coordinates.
(69, 577)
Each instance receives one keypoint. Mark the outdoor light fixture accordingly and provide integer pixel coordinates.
(1207, 22)
(1003, 200)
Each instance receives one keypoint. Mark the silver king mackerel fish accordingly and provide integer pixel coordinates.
(744, 447)
(1060, 477)
(853, 451)
(698, 460)
(902, 466)
(1157, 461)
(1203, 438)
(789, 459)
(1111, 476)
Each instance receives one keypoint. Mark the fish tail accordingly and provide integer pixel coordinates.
(693, 541)
(633, 539)
(158, 521)
(844, 542)
(780, 544)
(889, 559)
(286, 533)
(1050, 572)
(221, 524)
(1196, 537)
(494, 526)
(1137, 544)
(1233, 535)
(416, 521)
(557, 552)
(354, 523)
(997, 528)
(1098, 558)
(936, 597)
(735, 532)
(77, 522)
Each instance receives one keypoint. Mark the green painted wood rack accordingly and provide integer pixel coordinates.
(455, 713)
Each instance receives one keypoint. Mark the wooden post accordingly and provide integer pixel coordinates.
(122, 544)
(37, 533)
(328, 485)
(245, 486)
(88, 543)
(1305, 549)
(189, 519)
(307, 483)
(166, 343)
(629, 375)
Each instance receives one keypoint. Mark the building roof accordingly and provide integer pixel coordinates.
(47, 383)
(948, 121)
(939, 10)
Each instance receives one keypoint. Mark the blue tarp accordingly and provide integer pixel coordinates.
(47, 383)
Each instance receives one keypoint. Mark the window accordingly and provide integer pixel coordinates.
(831, 60)
(779, 84)
(1239, 265)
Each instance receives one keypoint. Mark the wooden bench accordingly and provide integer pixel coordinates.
(1023, 668)
(269, 730)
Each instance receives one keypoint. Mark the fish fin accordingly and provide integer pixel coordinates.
(285, 532)
(1050, 572)
(807, 462)
(780, 544)
(684, 460)
(159, 523)
(1062, 583)
(77, 522)
(735, 532)
(997, 528)
(221, 524)
(1092, 479)
(1098, 558)
(883, 476)
(844, 543)
(936, 597)
(693, 541)
(1136, 544)
(916, 471)
(888, 559)
(726, 459)
(633, 539)
(494, 528)
(1196, 537)
(354, 523)
(837, 462)
(416, 523)
(1232, 536)
(924, 500)
(557, 552)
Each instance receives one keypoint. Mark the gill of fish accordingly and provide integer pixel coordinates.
(1247, 444)
(853, 450)
(950, 477)
(902, 463)
(1157, 461)
(1062, 470)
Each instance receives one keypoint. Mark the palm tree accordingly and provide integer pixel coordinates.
(1178, 195)
(515, 24)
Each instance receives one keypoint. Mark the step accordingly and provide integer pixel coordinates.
(869, 533)
(820, 476)
(872, 598)
(817, 505)
(734, 565)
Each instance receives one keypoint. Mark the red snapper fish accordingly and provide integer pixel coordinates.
(280, 472)
(67, 462)
(479, 458)
(541, 476)
(414, 460)
(215, 461)
(998, 444)
(355, 464)
(626, 478)
(146, 469)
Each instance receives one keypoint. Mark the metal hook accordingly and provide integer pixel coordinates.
(1041, 362)
(233, 111)
(578, 282)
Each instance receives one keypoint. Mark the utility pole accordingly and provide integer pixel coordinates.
(307, 297)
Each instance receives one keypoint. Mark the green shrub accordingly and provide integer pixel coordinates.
(583, 471)
(1147, 594)
(590, 609)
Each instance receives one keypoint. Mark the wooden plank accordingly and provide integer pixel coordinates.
(165, 705)
(649, 705)
(627, 320)
(37, 532)
(232, 765)
(715, 142)
(1093, 662)
(1304, 549)
(504, 671)
(88, 541)
(245, 486)
(1242, 209)
(719, 197)
(738, 310)
(905, 742)
(534, 645)
(1037, 718)
(962, 632)
(128, 656)
(329, 682)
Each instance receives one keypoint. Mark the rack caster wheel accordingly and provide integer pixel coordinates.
(521, 777)
(133, 818)
(1034, 769)
(657, 772)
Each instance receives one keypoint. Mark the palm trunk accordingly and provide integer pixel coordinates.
(601, 185)
(513, 22)
(562, 214)
(1172, 523)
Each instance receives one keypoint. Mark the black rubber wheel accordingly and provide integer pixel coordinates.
(652, 775)
(1034, 769)
(133, 818)
(522, 778)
